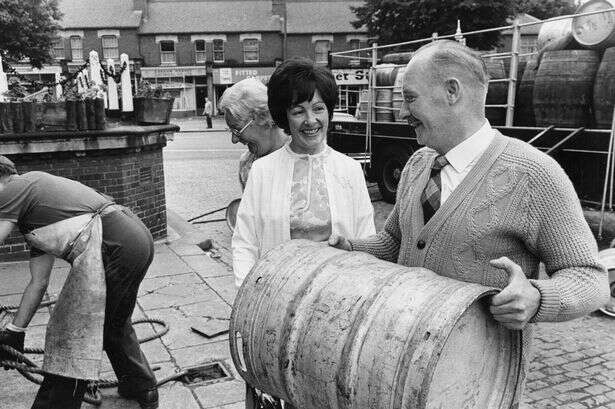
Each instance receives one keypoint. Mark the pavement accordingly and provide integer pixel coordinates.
(573, 364)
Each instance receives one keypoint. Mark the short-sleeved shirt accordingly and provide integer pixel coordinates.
(38, 199)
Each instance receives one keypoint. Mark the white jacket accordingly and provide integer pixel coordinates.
(263, 218)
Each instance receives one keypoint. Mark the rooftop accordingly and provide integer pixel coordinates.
(321, 17)
(209, 17)
(98, 14)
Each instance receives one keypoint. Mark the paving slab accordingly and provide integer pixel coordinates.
(206, 266)
(222, 393)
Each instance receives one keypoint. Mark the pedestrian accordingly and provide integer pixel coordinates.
(208, 112)
(247, 115)
(481, 207)
(109, 250)
(304, 190)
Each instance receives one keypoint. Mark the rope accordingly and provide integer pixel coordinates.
(26, 367)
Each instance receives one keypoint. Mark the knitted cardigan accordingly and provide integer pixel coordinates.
(263, 217)
(515, 202)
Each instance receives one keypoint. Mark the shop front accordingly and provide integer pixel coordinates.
(350, 83)
(225, 77)
(187, 84)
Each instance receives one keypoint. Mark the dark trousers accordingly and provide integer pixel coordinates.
(208, 119)
(127, 251)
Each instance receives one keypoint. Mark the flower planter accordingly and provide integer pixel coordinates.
(153, 110)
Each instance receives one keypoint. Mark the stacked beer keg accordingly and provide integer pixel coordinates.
(571, 83)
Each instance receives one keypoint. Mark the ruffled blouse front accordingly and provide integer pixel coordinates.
(310, 215)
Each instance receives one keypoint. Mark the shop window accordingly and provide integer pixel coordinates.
(321, 51)
(353, 45)
(250, 50)
(76, 48)
(110, 47)
(58, 48)
(167, 52)
(218, 50)
(199, 51)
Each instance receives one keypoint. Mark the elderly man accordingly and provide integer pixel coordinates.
(480, 207)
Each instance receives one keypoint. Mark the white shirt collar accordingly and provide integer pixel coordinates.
(470, 149)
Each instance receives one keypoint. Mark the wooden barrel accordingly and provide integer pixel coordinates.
(397, 92)
(324, 328)
(384, 73)
(384, 111)
(604, 90)
(555, 35)
(563, 88)
(497, 92)
(398, 58)
(524, 108)
(596, 31)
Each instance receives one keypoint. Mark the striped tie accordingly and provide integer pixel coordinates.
(430, 199)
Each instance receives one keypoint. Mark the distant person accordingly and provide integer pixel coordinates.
(208, 112)
(247, 115)
(481, 207)
(109, 250)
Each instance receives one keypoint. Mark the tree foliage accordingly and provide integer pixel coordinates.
(393, 21)
(27, 28)
(544, 9)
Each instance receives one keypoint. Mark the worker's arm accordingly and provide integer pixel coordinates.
(40, 269)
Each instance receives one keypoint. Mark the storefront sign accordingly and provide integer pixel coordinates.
(233, 75)
(168, 72)
(351, 76)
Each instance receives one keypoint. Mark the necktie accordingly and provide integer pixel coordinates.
(430, 199)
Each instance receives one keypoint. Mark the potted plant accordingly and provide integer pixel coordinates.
(152, 105)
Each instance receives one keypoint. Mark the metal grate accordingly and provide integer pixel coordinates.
(205, 374)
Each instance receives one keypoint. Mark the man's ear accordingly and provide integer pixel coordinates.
(453, 90)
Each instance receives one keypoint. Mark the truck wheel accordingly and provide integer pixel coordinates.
(392, 163)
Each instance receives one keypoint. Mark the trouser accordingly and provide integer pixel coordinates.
(127, 252)
(208, 119)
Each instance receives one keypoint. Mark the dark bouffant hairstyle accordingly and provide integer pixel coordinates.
(7, 167)
(295, 81)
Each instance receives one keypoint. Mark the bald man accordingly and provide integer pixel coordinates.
(481, 207)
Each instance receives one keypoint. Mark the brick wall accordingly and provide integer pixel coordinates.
(133, 177)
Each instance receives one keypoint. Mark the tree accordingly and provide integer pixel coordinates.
(393, 21)
(27, 28)
(544, 9)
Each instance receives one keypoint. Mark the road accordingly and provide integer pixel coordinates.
(574, 362)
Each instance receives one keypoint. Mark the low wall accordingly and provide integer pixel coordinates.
(123, 162)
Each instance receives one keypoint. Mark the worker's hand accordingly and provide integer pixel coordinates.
(339, 242)
(14, 340)
(518, 302)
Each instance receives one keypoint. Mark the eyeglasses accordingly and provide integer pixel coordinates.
(237, 133)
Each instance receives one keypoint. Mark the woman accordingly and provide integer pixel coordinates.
(247, 115)
(109, 250)
(305, 189)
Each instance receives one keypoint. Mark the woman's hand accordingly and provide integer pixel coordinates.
(339, 242)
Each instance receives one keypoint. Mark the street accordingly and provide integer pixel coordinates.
(574, 362)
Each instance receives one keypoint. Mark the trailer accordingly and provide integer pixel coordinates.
(384, 147)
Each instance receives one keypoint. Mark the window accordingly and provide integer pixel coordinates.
(321, 53)
(199, 51)
(167, 52)
(250, 50)
(76, 48)
(218, 50)
(58, 48)
(110, 48)
(353, 45)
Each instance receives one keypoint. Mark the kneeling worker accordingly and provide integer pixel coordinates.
(109, 250)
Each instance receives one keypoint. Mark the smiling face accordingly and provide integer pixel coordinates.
(425, 105)
(308, 122)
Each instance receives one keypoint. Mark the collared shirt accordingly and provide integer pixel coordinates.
(462, 158)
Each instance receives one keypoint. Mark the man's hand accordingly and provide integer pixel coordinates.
(12, 339)
(518, 302)
(339, 242)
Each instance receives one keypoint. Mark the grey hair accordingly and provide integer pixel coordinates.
(244, 101)
(7, 167)
(450, 57)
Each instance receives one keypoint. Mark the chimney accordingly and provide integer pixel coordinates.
(142, 6)
(278, 7)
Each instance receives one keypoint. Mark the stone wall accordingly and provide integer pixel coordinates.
(124, 165)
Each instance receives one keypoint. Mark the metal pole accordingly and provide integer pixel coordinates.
(607, 174)
(512, 83)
